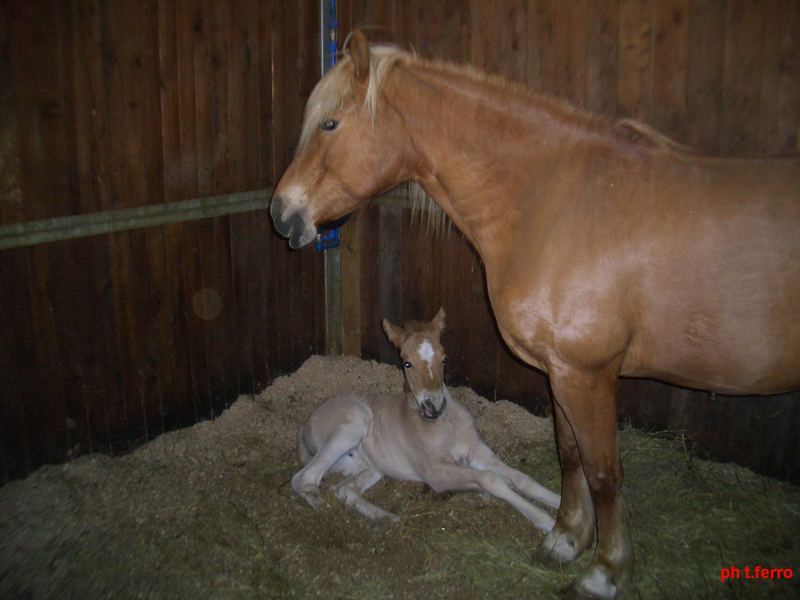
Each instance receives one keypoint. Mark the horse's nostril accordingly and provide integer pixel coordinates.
(276, 208)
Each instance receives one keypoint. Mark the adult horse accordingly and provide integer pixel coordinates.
(609, 250)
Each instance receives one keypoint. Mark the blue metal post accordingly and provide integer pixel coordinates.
(328, 239)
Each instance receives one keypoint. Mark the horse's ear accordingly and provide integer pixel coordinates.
(359, 54)
(396, 335)
(439, 320)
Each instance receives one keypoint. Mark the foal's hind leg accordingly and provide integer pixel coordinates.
(350, 489)
(346, 437)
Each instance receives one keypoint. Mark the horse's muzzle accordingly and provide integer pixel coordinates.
(294, 226)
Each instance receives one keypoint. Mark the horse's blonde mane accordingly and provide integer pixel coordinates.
(337, 85)
(331, 91)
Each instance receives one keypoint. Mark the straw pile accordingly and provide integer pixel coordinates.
(207, 512)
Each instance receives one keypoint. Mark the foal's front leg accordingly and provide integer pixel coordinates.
(482, 457)
(452, 478)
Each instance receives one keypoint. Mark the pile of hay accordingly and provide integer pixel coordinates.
(207, 512)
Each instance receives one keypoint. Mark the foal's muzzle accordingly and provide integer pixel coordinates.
(296, 225)
(429, 411)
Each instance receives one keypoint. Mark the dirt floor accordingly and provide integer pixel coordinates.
(207, 512)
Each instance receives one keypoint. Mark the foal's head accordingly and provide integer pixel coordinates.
(423, 362)
(353, 145)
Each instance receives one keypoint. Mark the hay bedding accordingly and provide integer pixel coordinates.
(207, 512)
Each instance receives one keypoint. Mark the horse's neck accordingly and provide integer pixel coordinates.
(477, 147)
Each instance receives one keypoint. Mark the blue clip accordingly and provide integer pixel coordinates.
(327, 239)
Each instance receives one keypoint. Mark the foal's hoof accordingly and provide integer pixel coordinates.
(312, 497)
(313, 501)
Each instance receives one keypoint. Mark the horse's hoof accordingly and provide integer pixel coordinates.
(571, 592)
(557, 549)
(594, 583)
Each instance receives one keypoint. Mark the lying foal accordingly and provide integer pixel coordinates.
(420, 435)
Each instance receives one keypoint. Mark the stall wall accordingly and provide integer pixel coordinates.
(109, 340)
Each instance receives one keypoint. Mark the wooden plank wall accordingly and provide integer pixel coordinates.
(108, 341)
(720, 75)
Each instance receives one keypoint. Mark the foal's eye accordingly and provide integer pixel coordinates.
(329, 125)
(406, 364)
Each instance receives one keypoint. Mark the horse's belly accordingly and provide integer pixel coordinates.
(701, 352)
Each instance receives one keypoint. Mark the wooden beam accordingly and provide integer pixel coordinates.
(18, 235)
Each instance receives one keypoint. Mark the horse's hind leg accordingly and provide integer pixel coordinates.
(349, 491)
(588, 403)
(482, 457)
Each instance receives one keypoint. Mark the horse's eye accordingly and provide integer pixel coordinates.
(444, 359)
(406, 364)
(329, 125)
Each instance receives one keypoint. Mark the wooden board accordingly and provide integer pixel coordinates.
(119, 337)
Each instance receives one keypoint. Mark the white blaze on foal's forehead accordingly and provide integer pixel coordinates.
(426, 353)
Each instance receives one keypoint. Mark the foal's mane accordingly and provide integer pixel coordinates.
(337, 85)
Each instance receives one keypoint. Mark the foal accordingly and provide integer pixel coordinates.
(421, 435)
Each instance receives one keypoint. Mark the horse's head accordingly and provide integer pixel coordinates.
(352, 146)
(423, 362)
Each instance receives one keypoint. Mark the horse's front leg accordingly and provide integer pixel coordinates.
(586, 403)
(574, 527)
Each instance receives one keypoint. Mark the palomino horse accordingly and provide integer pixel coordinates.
(609, 250)
(423, 434)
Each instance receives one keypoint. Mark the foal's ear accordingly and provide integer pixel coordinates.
(439, 320)
(359, 54)
(396, 335)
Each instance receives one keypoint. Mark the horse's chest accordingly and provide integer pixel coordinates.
(527, 331)
(569, 319)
